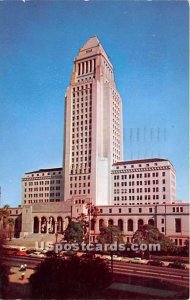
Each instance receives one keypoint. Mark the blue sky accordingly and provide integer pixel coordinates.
(147, 43)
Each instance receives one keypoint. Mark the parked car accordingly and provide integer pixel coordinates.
(177, 265)
(69, 254)
(137, 260)
(29, 251)
(115, 257)
(37, 254)
(88, 256)
(156, 262)
(50, 253)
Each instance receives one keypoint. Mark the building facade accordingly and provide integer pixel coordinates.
(93, 126)
(41, 186)
(171, 219)
(145, 181)
(50, 218)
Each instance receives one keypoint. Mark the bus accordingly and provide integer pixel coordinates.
(13, 250)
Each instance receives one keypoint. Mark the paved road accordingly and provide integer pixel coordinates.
(16, 261)
(176, 276)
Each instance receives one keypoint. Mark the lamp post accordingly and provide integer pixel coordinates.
(111, 252)
(56, 236)
(89, 227)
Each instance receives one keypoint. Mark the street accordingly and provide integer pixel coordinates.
(175, 276)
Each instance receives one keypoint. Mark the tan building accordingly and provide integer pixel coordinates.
(171, 219)
(93, 126)
(44, 185)
(145, 181)
(49, 218)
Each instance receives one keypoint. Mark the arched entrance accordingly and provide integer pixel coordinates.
(110, 222)
(36, 225)
(59, 225)
(51, 225)
(101, 223)
(140, 224)
(43, 225)
(130, 225)
(151, 222)
(120, 224)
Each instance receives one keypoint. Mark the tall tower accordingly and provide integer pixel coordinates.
(93, 126)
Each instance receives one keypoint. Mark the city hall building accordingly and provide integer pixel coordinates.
(127, 193)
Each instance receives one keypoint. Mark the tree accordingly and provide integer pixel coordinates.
(10, 229)
(71, 278)
(93, 213)
(4, 270)
(4, 214)
(148, 234)
(109, 235)
(75, 231)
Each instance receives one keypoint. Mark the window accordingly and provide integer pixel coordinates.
(162, 229)
(130, 225)
(140, 210)
(150, 209)
(110, 210)
(177, 225)
(162, 221)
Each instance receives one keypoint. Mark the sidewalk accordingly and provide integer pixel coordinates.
(15, 275)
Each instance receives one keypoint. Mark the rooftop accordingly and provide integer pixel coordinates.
(138, 161)
(45, 170)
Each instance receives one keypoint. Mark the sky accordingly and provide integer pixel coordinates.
(147, 43)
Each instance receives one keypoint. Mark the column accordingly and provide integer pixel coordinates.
(92, 65)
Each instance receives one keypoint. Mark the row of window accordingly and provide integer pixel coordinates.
(82, 87)
(75, 124)
(40, 195)
(81, 117)
(132, 183)
(80, 184)
(145, 197)
(41, 201)
(83, 128)
(130, 210)
(139, 165)
(75, 171)
(75, 178)
(41, 189)
(138, 203)
(79, 192)
(132, 176)
(42, 182)
(139, 190)
(177, 209)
